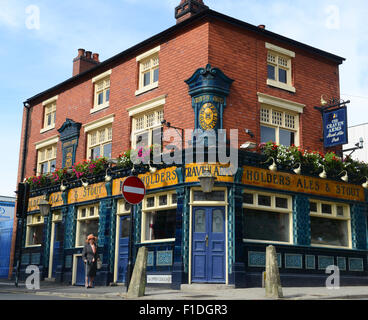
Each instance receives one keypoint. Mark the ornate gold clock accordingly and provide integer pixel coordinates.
(208, 116)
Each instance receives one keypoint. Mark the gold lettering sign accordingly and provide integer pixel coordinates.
(223, 173)
(55, 200)
(296, 183)
(92, 192)
(208, 116)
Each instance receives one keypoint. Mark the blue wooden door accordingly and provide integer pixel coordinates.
(208, 245)
(56, 252)
(81, 272)
(123, 254)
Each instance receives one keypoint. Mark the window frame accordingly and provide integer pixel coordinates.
(32, 220)
(280, 53)
(105, 79)
(101, 144)
(333, 216)
(277, 127)
(156, 208)
(46, 159)
(96, 216)
(149, 56)
(52, 105)
(271, 208)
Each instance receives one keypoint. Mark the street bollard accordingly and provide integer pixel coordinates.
(137, 285)
(273, 283)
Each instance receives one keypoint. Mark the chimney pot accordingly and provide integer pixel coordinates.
(96, 57)
(262, 26)
(89, 55)
(81, 52)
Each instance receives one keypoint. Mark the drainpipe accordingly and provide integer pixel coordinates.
(19, 233)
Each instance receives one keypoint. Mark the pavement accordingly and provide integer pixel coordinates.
(189, 292)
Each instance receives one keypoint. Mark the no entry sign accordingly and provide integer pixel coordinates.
(133, 190)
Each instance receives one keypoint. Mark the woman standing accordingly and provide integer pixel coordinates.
(90, 256)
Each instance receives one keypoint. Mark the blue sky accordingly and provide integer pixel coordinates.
(36, 54)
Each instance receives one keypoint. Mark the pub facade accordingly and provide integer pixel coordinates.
(193, 235)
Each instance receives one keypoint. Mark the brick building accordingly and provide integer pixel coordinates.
(209, 71)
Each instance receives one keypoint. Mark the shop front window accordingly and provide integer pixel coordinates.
(160, 225)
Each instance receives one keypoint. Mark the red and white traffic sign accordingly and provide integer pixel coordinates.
(133, 190)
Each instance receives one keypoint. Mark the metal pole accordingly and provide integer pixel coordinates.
(130, 251)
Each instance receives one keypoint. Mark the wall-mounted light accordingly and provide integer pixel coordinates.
(323, 174)
(108, 177)
(298, 170)
(84, 182)
(207, 180)
(62, 186)
(44, 207)
(152, 169)
(248, 145)
(365, 184)
(344, 177)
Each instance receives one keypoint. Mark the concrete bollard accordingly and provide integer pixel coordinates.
(273, 283)
(137, 285)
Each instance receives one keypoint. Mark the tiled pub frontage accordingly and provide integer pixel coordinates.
(197, 237)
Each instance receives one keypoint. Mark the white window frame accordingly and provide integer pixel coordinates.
(284, 54)
(49, 107)
(96, 216)
(272, 208)
(286, 107)
(143, 111)
(103, 80)
(33, 220)
(95, 127)
(156, 208)
(150, 56)
(346, 217)
(43, 146)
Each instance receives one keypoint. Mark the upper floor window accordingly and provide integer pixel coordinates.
(46, 155)
(279, 120)
(278, 126)
(101, 91)
(279, 67)
(100, 143)
(146, 121)
(34, 233)
(49, 114)
(148, 70)
(99, 137)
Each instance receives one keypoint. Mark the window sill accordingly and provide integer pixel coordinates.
(146, 88)
(47, 129)
(34, 246)
(100, 107)
(267, 241)
(280, 85)
(330, 246)
(158, 241)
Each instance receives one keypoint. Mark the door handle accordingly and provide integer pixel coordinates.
(206, 240)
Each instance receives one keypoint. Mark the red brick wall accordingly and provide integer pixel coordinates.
(242, 56)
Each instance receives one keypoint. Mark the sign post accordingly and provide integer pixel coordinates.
(133, 190)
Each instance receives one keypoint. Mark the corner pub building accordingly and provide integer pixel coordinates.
(209, 71)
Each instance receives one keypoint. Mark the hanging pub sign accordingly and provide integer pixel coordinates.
(335, 127)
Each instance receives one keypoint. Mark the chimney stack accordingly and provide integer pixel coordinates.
(188, 8)
(84, 61)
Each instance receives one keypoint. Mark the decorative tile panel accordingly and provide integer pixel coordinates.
(35, 258)
(358, 227)
(164, 258)
(310, 262)
(150, 257)
(341, 263)
(25, 259)
(294, 261)
(258, 259)
(356, 264)
(301, 220)
(68, 261)
(324, 262)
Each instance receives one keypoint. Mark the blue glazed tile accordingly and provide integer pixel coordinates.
(164, 258)
(294, 261)
(356, 264)
(150, 259)
(35, 258)
(258, 259)
(25, 259)
(68, 261)
(310, 262)
(324, 262)
(341, 263)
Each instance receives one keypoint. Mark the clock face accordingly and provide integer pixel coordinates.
(208, 116)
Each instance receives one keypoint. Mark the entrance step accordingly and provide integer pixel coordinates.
(205, 287)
